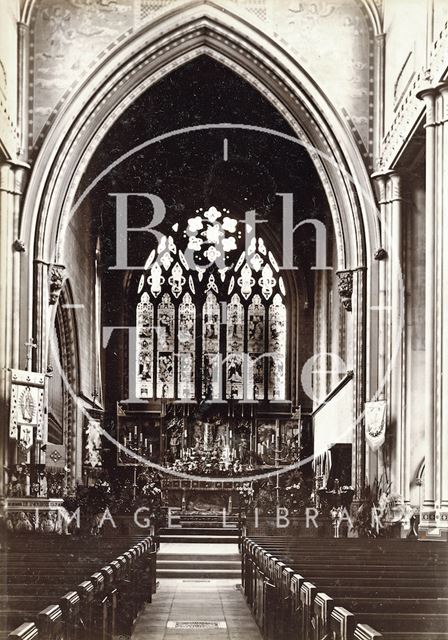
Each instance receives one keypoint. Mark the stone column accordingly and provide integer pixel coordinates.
(376, 458)
(433, 301)
(396, 356)
(11, 248)
(391, 309)
(352, 288)
(379, 48)
(442, 434)
(23, 51)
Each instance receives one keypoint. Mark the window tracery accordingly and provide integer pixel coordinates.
(186, 349)
(144, 328)
(238, 349)
(165, 348)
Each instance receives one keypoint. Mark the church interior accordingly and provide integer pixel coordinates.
(223, 251)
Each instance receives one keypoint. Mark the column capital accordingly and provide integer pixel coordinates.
(388, 178)
(345, 288)
(12, 173)
(382, 174)
(56, 281)
(428, 95)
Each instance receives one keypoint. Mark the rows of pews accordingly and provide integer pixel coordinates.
(62, 587)
(347, 589)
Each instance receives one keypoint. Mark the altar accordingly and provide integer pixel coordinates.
(206, 497)
(209, 453)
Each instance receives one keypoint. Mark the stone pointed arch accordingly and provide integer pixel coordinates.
(139, 61)
(154, 51)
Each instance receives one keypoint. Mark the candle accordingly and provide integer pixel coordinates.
(185, 433)
(150, 449)
(124, 441)
(146, 443)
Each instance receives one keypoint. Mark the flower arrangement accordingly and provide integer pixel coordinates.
(380, 512)
(208, 462)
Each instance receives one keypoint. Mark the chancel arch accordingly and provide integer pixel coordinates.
(57, 186)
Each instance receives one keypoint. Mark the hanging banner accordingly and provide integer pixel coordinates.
(92, 444)
(27, 403)
(56, 456)
(375, 420)
(26, 437)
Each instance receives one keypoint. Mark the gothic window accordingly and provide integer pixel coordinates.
(256, 349)
(144, 328)
(165, 348)
(235, 349)
(186, 349)
(211, 322)
(219, 315)
(277, 349)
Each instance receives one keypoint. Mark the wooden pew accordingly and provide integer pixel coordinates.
(90, 611)
(268, 581)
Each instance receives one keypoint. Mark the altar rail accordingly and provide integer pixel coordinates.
(102, 601)
(346, 589)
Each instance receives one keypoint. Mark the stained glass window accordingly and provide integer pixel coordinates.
(186, 349)
(256, 349)
(193, 275)
(235, 348)
(144, 327)
(211, 317)
(277, 349)
(165, 348)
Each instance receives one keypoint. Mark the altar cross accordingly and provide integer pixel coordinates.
(30, 345)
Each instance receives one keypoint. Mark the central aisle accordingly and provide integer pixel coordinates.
(182, 606)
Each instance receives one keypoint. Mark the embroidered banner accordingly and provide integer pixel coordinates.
(375, 419)
(27, 405)
(55, 456)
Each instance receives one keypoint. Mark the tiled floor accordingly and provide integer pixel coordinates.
(183, 600)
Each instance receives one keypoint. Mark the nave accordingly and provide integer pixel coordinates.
(276, 588)
(188, 609)
(223, 299)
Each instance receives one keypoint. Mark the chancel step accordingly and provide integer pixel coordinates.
(198, 538)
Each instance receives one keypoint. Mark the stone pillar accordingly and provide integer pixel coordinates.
(11, 248)
(379, 49)
(23, 51)
(442, 434)
(434, 517)
(376, 458)
(352, 288)
(397, 351)
(391, 309)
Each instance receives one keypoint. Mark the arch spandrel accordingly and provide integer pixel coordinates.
(154, 51)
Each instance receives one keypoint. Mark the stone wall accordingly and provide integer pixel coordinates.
(70, 38)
